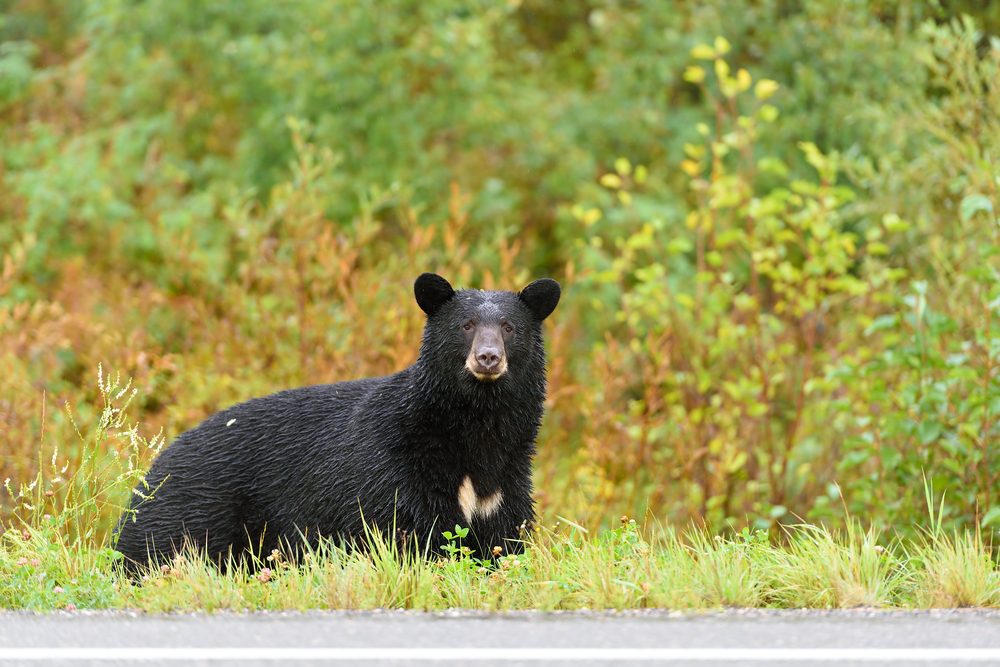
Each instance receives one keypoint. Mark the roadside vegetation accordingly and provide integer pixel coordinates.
(59, 555)
(561, 569)
(776, 226)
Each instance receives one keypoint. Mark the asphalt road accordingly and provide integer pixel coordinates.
(469, 638)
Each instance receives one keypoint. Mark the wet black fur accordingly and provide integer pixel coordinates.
(310, 461)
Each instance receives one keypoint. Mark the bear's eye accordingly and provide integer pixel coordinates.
(467, 326)
(508, 329)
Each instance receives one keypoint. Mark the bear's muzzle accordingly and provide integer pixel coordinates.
(486, 359)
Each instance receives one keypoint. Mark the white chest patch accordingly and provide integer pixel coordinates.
(474, 506)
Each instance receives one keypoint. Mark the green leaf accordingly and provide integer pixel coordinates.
(738, 462)
(881, 322)
(679, 245)
(892, 223)
(974, 203)
(729, 236)
(991, 517)
(772, 165)
(929, 431)
(853, 459)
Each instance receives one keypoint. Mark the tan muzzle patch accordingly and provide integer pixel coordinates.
(481, 374)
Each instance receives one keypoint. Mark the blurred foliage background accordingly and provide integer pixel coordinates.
(775, 222)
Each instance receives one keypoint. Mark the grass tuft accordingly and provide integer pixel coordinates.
(827, 570)
(955, 571)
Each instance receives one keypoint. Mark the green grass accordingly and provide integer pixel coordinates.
(561, 569)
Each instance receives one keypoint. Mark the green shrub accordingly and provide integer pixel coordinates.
(778, 303)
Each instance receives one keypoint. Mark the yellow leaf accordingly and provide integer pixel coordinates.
(765, 88)
(625, 198)
(694, 74)
(728, 86)
(611, 181)
(591, 215)
(694, 151)
(641, 173)
(691, 168)
(722, 46)
(702, 129)
(623, 166)
(721, 69)
(703, 52)
(768, 113)
(743, 80)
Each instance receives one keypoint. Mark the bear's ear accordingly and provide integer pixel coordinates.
(541, 297)
(432, 291)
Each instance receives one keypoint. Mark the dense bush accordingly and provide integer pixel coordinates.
(779, 247)
(778, 355)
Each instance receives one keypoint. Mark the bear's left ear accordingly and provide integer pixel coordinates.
(541, 297)
(432, 291)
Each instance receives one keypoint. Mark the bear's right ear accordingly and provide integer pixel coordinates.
(432, 291)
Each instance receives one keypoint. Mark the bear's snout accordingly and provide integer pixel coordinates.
(486, 359)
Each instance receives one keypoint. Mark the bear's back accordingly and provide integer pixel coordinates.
(257, 467)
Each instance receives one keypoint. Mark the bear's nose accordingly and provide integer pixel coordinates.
(488, 357)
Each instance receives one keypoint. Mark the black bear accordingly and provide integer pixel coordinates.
(448, 441)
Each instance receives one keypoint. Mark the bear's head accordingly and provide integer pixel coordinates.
(485, 336)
